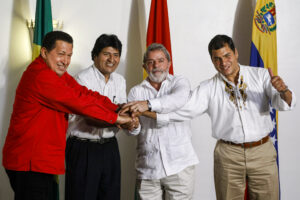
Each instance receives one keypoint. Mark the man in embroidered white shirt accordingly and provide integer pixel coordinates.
(92, 153)
(165, 156)
(237, 101)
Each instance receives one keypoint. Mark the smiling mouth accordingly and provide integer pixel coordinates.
(110, 64)
(62, 67)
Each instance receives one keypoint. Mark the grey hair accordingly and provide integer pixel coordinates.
(154, 47)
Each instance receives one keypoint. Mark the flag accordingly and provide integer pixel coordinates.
(43, 25)
(264, 48)
(158, 27)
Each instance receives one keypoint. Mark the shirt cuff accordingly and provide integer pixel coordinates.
(135, 131)
(156, 105)
(284, 105)
(162, 119)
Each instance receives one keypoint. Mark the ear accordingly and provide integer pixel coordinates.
(145, 66)
(169, 64)
(44, 52)
(236, 53)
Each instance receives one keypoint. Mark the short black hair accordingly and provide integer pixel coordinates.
(104, 41)
(51, 38)
(220, 41)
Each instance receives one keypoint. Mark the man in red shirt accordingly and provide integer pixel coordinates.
(34, 150)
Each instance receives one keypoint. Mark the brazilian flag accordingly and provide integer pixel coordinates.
(43, 25)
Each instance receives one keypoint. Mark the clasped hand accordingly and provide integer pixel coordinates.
(127, 119)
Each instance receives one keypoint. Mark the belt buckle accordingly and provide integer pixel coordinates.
(101, 141)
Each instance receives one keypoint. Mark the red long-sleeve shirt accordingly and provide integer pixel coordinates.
(36, 136)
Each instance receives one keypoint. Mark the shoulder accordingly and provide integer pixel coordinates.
(118, 77)
(85, 73)
(181, 78)
(254, 71)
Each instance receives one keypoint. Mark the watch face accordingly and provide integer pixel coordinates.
(149, 105)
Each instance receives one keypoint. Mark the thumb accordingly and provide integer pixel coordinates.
(270, 72)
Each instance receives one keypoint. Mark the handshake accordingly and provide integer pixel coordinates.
(128, 114)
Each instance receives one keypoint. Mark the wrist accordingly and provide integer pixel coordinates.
(149, 105)
(284, 91)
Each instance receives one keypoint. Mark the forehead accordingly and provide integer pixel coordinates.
(63, 45)
(110, 50)
(222, 51)
(156, 54)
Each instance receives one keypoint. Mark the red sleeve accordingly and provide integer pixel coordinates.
(66, 95)
(73, 83)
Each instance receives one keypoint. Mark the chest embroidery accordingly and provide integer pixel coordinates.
(232, 95)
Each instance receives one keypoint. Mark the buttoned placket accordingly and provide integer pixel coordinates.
(161, 135)
(240, 107)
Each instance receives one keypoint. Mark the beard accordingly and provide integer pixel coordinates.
(158, 78)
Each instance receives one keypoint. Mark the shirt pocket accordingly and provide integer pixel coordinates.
(147, 155)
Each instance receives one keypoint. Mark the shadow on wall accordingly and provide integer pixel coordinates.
(135, 47)
(242, 29)
(133, 76)
(19, 56)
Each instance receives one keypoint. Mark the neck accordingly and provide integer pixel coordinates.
(107, 76)
(155, 85)
(235, 77)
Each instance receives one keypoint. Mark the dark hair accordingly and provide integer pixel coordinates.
(154, 47)
(106, 40)
(220, 41)
(51, 38)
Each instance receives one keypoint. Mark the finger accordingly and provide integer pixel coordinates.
(119, 126)
(270, 72)
(124, 110)
(130, 103)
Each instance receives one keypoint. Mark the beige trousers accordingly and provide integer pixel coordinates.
(179, 186)
(234, 164)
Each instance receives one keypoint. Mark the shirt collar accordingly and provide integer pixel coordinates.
(241, 72)
(101, 76)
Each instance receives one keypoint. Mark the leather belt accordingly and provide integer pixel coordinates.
(248, 144)
(99, 141)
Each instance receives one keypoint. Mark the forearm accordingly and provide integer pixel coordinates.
(149, 114)
(287, 96)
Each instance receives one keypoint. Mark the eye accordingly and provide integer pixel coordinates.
(161, 60)
(150, 62)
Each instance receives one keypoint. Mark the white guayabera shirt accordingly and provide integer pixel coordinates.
(114, 89)
(239, 113)
(167, 150)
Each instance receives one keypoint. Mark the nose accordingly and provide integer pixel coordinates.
(66, 60)
(110, 58)
(222, 61)
(155, 63)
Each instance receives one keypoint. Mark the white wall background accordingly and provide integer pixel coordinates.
(193, 23)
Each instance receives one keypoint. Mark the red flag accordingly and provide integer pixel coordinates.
(158, 26)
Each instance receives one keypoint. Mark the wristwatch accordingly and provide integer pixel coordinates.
(149, 105)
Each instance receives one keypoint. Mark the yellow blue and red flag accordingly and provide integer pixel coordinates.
(264, 48)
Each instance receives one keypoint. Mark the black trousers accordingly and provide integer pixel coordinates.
(32, 185)
(93, 170)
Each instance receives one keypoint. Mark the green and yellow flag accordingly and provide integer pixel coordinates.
(43, 25)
